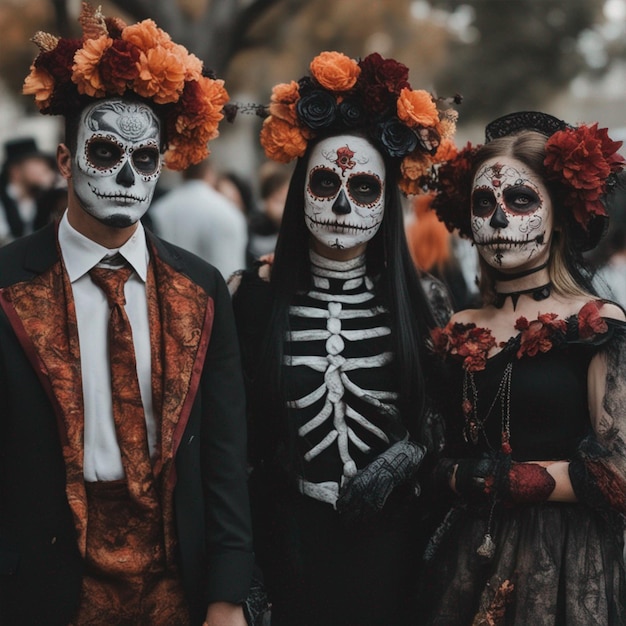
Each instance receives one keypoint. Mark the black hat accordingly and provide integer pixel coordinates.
(17, 150)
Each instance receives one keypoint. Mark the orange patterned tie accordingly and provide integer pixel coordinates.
(128, 413)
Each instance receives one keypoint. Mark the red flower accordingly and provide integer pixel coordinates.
(589, 321)
(381, 81)
(454, 183)
(118, 65)
(464, 342)
(540, 334)
(582, 158)
(58, 62)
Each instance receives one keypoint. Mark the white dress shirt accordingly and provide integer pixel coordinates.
(102, 458)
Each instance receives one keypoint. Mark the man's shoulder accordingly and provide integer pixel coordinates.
(27, 256)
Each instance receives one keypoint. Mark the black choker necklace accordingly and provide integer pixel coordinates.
(502, 277)
(538, 293)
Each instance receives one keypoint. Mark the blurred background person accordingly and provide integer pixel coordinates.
(264, 223)
(237, 190)
(26, 173)
(198, 218)
(432, 250)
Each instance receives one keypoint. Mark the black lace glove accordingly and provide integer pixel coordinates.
(365, 494)
(256, 606)
(496, 475)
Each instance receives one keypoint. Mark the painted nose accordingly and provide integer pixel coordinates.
(125, 176)
(341, 205)
(498, 219)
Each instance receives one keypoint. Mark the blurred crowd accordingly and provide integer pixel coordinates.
(231, 221)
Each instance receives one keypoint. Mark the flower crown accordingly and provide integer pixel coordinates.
(371, 95)
(113, 59)
(581, 161)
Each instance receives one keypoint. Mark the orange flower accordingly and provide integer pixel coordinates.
(40, 84)
(446, 151)
(416, 108)
(85, 71)
(202, 102)
(335, 71)
(447, 125)
(193, 65)
(180, 156)
(161, 76)
(146, 35)
(282, 141)
(415, 165)
(283, 101)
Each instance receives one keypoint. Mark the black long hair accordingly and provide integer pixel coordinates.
(388, 258)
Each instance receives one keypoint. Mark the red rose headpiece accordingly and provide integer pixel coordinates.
(113, 59)
(580, 162)
(373, 96)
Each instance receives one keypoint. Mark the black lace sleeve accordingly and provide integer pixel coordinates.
(438, 298)
(598, 469)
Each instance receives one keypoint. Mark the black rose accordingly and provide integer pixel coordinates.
(351, 113)
(397, 138)
(317, 109)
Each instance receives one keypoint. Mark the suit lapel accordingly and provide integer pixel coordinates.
(41, 311)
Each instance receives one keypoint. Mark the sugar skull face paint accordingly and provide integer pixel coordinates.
(118, 161)
(344, 198)
(512, 216)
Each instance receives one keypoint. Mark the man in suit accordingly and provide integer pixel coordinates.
(26, 174)
(122, 487)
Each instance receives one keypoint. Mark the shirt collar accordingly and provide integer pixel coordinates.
(80, 253)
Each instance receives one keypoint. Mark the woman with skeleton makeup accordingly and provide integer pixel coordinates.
(535, 455)
(331, 335)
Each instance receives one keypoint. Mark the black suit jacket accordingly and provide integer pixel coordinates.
(40, 564)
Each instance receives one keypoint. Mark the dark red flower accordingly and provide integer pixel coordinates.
(58, 62)
(118, 65)
(465, 342)
(540, 335)
(582, 159)
(589, 321)
(381, 81)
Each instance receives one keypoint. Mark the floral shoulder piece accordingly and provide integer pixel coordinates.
(464, 342)
(539, 335)
(590, 323)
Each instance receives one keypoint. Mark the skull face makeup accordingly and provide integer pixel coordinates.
(512, 216)
(117, 161)
(344, 199)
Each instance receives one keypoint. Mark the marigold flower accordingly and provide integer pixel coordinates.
(40, 84)
(283, 102)
(86, 69)
(118, 66)
(415, 165)
(447, 150)
(146, 35)
(335, 71)
(416, 108)
(281, 141)
(161, 76)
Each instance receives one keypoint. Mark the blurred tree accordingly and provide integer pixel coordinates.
(516, 54)
(499, 54)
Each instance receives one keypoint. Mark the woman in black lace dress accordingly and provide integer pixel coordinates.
(328, 333)
(535, 460)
